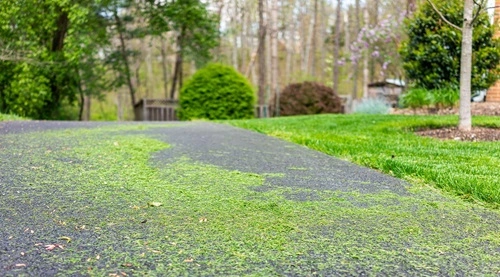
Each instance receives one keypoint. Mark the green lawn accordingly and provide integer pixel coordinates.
(387, 143)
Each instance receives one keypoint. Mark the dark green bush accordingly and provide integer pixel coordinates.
(308, 98)
(216, 92)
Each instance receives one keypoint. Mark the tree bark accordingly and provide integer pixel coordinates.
(123, 52)
(177, 78)
(262, 54)
(290, 44)
(411, 6)
(465, 121)
(164, 66)
(354, 94)
(321, 40)
(366, 58)
(314, 39)
(336, 49)
(274, 52)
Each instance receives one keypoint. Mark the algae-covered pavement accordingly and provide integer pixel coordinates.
(205, 199)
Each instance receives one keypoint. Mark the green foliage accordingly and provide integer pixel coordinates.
(416, 98)
(431, 53)
(445, 98)
(216, 92)
(196, 26)
(439, 98)
(10, 117)
(372, 106)
(308, 98)
(49, 55)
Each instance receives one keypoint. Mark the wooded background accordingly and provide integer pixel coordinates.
(145, 48)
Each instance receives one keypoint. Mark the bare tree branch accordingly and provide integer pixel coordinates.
(442, 16)
(481, 7)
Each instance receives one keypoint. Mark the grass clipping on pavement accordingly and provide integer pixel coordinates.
(387, 143)
(125, 215)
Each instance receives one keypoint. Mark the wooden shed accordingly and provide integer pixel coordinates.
(156, 110)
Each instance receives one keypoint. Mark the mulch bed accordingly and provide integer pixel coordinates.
(477, 133)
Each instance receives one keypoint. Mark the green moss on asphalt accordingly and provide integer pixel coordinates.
(95, 186)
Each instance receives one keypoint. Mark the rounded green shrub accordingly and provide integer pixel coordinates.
(308, 98)
(216, 92)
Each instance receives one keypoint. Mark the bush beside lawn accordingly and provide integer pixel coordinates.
(9, 117)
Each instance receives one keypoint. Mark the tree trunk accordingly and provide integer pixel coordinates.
(290, 43)
(354, 94)
(373, 23)
(465, 122)
(262, 54)
(164, 67)
(321, 39)
(274, 53)
(411, 6)
(149, 70)
(308, 45)
(123, 52)
(314, 39)
(177, 78)
(366, 57)
(336, 49)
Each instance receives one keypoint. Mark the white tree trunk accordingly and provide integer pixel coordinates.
(465, 122)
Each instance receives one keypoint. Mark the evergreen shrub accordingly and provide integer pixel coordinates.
(216, 92)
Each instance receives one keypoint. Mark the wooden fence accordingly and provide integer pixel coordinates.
(166, 110)
(156, 110)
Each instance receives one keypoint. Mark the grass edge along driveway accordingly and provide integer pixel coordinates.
(387, 143)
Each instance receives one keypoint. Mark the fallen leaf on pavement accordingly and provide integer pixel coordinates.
(51, 247)
(68, 239)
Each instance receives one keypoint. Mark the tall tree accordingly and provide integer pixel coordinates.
(465, 122)
(196, 32)
(274, 51)
(336, 49)
(354, 94)
(450, 52)
(262, 54)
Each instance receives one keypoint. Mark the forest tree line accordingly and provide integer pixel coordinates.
(94, 59)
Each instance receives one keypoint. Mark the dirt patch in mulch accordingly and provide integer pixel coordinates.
(477, 134)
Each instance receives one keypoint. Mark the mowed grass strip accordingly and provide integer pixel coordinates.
(388, 143)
